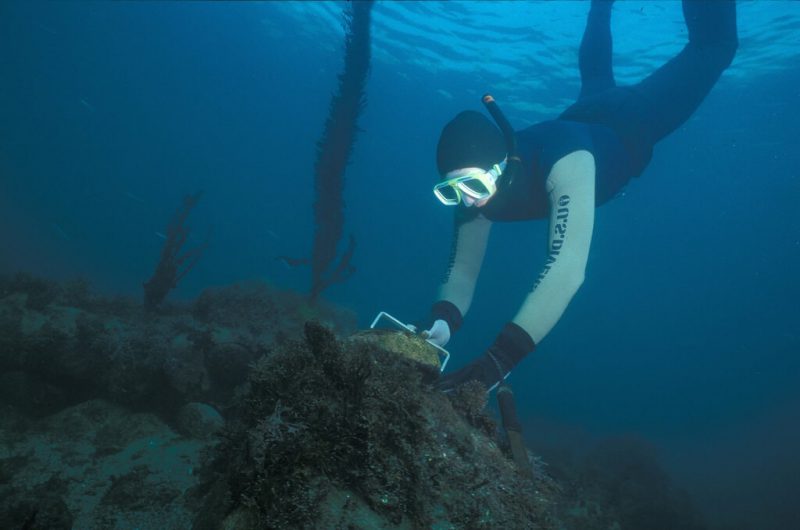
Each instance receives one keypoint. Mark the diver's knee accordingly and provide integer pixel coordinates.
(724, 52)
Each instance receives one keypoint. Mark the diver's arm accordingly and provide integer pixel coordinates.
(571, 191)
(570, 188)
(466, 257)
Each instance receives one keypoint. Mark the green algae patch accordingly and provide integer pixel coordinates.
(402, 343)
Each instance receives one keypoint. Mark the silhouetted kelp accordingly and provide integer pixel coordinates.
(333, 152)
(168, 273)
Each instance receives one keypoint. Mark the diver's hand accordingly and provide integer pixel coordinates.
(484, 369)
(439, 333)
(511, 345)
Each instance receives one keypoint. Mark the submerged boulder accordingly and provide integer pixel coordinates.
(348, 435)
(290, 425)
(199, 420)
(63, 345)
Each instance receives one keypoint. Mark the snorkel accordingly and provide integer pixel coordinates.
(513, 162)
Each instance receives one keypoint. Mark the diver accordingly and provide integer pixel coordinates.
(561, 170)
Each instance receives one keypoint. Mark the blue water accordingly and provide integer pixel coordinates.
(686, 330)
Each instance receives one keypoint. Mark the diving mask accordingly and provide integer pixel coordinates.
(476, 185)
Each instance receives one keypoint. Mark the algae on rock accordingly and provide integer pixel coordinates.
(349, 431)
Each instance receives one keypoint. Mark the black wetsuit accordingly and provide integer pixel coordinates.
(609, 132)
(619, 125)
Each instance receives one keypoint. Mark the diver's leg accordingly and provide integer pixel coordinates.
(674, 91)
(594, 57)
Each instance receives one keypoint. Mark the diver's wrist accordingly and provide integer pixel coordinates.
(447, 311)
(511, 345)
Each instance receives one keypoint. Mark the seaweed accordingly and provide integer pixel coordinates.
(53, 355)
(333, 152)
(168, 270)
(322, 428)
(334, 433)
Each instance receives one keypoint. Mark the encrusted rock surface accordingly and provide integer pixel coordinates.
(251, 408)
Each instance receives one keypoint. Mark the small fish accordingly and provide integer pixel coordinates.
(160, 235)
(272, 234)
(87, 105)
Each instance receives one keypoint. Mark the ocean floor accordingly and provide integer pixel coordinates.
(96, 465)
(251, 408)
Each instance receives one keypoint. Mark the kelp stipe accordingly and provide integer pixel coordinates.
(333, 153)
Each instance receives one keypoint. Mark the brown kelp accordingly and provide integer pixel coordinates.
(168, 270)
(333, 152)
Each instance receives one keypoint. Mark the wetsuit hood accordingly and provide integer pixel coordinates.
(469, 140)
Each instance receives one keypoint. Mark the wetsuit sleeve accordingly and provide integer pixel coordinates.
(571, 189)
(466, 257)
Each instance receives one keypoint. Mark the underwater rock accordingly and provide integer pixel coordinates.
(262, 311)
(402, 343)
(158, 362)
(620, 481)
(12, 309)
(321, 429)
(43, 507)
(347, 431)
(96, 465)
(198, 420)
(30, 394)
(38, 292)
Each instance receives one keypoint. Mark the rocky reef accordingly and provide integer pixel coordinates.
(60, 344)
(251, 408)
(332, 432)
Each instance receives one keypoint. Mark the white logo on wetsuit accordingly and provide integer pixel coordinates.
(560, 231)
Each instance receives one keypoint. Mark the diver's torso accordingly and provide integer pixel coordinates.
(540, 147)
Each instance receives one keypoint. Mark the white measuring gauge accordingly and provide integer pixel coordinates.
(443, 354)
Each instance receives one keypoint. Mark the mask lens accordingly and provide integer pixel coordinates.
(447, 194)
(475, 188)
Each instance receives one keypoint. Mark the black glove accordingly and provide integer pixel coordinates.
(510, 346)
(447, 311)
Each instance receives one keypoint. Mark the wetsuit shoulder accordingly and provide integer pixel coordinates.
(613, 164)
(540, 146)
(547, 142)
